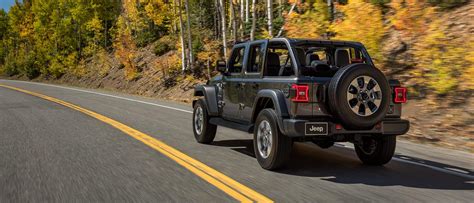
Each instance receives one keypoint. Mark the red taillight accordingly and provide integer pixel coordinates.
(400, 95)
(301, 93)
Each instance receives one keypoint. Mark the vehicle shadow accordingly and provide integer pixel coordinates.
(341, 165)
(242, 146)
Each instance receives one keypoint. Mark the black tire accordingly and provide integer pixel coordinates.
(338, 101)
(381, 154)
(280, 149)
(208, 131)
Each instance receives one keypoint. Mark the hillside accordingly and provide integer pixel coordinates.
(147, 47)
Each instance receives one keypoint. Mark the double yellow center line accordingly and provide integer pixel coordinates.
(226, 184)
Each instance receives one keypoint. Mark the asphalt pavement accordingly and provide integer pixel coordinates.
(50, 152)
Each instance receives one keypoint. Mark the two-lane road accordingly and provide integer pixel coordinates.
(51, 152)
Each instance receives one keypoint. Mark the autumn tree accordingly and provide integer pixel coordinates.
(369, 29)
(443, 65)
(312, 22)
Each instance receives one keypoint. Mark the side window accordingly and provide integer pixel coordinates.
(279, 62)
(321, 56)
(256, 58)
(348, 55)
(237, 60)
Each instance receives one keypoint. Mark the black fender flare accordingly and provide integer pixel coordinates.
(279, 103)
(209, 92)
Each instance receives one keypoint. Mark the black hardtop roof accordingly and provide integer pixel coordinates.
(322, 41)
(298, 41)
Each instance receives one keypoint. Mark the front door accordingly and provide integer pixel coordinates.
(232, 84)
(253, 77)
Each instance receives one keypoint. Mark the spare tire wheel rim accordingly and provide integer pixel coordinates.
(198, 120)
(364, 95)
(264, 139)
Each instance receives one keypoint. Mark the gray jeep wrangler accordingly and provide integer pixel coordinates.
(294, 90)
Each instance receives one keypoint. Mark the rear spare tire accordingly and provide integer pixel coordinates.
(359, 96)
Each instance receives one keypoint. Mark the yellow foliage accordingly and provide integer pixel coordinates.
(131, 15)
(95, 27)
(125, 48)
(209, 52)
(313, 23)
(442, 62)
(411, 16)
(156, 10)
(103, 62)
(169, 63)
(362, 22)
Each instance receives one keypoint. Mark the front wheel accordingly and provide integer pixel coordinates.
(376, 150)
(272, 148)
(204, 132)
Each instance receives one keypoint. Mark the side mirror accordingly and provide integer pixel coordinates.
(221, 66)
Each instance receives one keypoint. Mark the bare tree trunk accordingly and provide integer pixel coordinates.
(242, 16)
(224, 30)
(190, 40)
(247, 10)
(283, 26)
(105, 34)
(217, 19)
(181, 36)
(233, 20)
(280, 8)
(242, 10)
(254, 20)
(331, 9)
(175, 26)
(270, 17)
(208, 68)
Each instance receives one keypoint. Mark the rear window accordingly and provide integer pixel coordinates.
(325, 60)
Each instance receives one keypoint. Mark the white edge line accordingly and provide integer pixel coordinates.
(452, 172)
(102, 94)
(186, 111)
(436, 168)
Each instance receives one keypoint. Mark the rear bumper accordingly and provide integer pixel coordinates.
(296, 128)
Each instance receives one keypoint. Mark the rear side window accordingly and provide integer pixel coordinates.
(237, 60)
(348, 55)
(278, 61)
(256, 58)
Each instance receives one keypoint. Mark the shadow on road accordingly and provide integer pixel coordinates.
(242, 146)
(340, 165)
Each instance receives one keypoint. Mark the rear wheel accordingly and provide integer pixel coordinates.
(204, 132)
(376, 150)
(272, 148)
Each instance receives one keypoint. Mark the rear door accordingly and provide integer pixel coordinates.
(252, 77)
